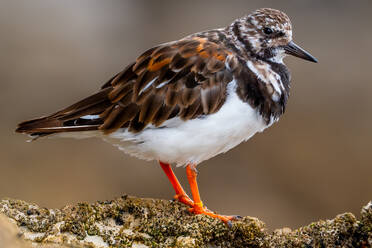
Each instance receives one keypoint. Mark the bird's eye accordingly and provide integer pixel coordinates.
(268, 31)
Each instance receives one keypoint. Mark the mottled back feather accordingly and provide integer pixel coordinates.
(185, 79)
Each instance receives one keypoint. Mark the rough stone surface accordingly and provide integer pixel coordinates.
(140, 223)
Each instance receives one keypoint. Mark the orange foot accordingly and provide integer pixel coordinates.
(200, 209)
(196, 204)
(185, 199)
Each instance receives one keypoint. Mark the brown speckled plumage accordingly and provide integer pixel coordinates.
(186, 78)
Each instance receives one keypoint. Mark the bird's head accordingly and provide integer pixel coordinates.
(267, 33)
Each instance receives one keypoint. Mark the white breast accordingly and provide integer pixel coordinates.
(193, 141)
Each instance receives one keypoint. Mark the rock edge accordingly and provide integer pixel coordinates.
(139, 223)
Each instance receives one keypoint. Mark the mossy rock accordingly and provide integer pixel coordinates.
(137, 222)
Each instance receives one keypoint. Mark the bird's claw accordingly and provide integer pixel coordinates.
(196, 209)
(237, 217)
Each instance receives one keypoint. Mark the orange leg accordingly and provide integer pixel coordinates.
(181, 196)
(198, 207)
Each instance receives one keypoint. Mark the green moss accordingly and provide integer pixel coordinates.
(160, 223)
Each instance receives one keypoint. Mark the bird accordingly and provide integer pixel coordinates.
(186, 101)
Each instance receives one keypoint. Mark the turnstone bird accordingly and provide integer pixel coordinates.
(188, 100)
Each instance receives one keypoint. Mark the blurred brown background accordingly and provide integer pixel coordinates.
(314, 163)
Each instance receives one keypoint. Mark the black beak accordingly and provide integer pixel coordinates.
(297, 51)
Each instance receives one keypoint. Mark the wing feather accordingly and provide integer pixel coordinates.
(186, 78)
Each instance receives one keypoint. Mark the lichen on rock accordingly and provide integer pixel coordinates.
(137, 222)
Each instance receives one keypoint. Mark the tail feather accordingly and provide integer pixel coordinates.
(70, 119)
(37, 124)
(84, 104)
